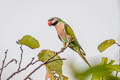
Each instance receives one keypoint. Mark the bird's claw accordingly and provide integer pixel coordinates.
(62, 48)
(70, 39)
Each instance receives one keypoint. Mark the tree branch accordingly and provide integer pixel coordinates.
(19, 67)
(10, 62)
(3, 62)
(20, 58)
(20, 70)
(49, 60)
(35, 62)
(118, 44)
(30, 78)
(56, 60)
(41, 66)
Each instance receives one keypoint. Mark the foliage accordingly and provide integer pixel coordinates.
(54, 68)
(29, 41)
(102, 71)
(53, 63)
(106, 44)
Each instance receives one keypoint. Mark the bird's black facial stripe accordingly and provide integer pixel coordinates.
(55, 23)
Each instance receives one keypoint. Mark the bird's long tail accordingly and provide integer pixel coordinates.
(84, 58)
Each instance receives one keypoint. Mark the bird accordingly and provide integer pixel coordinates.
(66, 34)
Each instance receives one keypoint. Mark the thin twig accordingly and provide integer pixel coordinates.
(27, 65)
(41, 66)
(56, 60)
(117, 44)
(33, 71)
(20, 58)
(20, 70)
(35, 62)
(47, 61)
(3, 62)
(19, 67)
(56, 53)
(30, 78)
(10, 62)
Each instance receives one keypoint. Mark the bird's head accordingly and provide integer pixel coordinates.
(53, 21)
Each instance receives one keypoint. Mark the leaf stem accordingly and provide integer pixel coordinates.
(118, 44)
(20, 58)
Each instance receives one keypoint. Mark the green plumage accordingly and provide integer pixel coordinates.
(74, 45)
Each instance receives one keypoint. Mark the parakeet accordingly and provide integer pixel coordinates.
(65, 33)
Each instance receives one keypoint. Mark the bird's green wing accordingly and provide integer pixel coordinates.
(69, 31)
(75, 43)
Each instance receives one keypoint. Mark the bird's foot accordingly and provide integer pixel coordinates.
(70, 39)
(62, 49)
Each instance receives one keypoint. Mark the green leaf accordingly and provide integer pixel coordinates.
(106, 44)
(114, 68)
(29, 41)
(107, 68)
(102, 71)
(104, 61)
(111, 62)
(53, 68)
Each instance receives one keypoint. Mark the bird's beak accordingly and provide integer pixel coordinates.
(49, 23)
